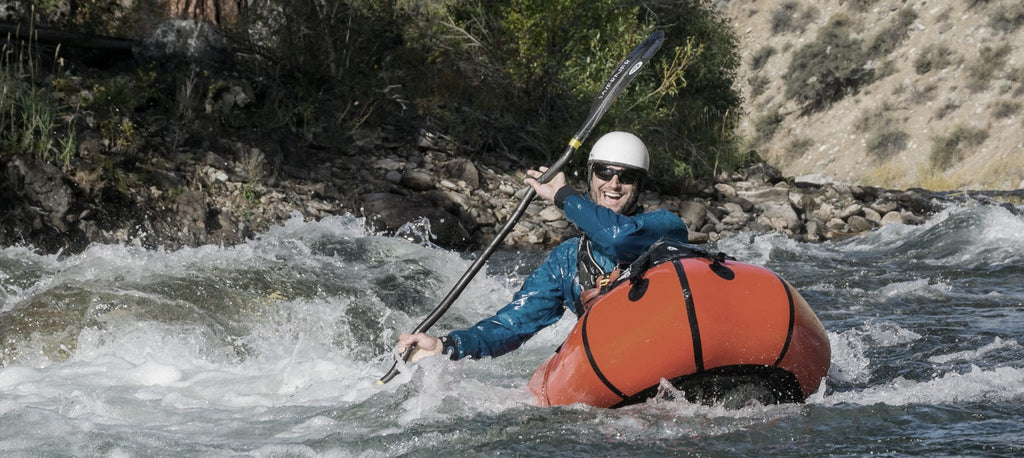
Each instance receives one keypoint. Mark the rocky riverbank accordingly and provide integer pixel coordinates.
(231, 191)
(160, 179)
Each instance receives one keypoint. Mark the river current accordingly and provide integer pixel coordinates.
(274, 347)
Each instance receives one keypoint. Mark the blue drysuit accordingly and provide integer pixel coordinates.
(615, 239)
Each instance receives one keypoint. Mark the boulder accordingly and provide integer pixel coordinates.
(893, 217)
(418, 180)
(185, 41)
(693, 213)
(782, 216)
(387, 213)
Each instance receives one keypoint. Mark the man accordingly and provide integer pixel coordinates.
(615, 232)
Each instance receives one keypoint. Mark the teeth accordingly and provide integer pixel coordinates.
(612, 195)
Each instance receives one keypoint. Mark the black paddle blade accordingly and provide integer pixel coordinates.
(617, 82)
(621, 77)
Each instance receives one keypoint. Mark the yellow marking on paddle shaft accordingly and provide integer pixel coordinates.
(575, 143)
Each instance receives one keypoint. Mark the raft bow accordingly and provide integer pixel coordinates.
(714, 328)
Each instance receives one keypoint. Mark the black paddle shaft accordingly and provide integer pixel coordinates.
(618, 81)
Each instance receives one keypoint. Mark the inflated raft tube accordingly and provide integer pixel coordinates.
(715, 328)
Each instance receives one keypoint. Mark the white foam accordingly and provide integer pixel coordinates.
(153, 373)
(850, 362)
(973, 355)
(1000, 383)
(915, 288)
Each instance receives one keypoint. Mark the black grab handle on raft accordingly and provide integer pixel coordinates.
(664, 251)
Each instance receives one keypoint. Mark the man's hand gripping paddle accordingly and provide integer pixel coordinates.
(618, 81)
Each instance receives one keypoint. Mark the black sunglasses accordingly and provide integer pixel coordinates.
(626, 176)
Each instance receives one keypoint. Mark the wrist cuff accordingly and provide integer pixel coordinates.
(450, 347)
(563, 193)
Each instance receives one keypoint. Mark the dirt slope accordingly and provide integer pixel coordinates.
(942, 110)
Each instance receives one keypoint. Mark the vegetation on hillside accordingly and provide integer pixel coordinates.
(887, 93)
(507, 77)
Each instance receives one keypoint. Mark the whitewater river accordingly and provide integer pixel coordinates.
(273, 348)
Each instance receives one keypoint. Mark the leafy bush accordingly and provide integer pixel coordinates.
(513, 77)
(983, 69)
(789, 17)
(757, 84)
(761, 57)
(528, 71)
(885, 138)
(767, 123)
(797, 147)
(32, 112)
(826, 70)
(1006, 109)
(935, 56)
(1008, 18)
(886, 142)
(948, 150)
(887, 40)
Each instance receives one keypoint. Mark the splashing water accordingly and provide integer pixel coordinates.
(273, 347)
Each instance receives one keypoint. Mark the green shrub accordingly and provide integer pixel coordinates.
(33, 115)
(790, 17)
(889, 38)
(766, 124)
(509, 76)
(124, 94)
(986, 67)
(758, 83)
(761, 57)
(555, 57)
(933, 57)
(948, 150)
(824, 71)
(1006, 109)
(1008, 18)
(797, 147)
(885, 138)
(886, 142)
(512, 77)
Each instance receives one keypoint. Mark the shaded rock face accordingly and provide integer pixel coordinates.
(36, 205)
(390, 213)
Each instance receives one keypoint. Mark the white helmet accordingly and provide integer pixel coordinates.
(620, 148)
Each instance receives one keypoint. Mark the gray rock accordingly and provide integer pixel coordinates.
(551, 213)
(464, 170)
(782, 216)
(872, 215)
(725, 190)
(893, 217)
(387, 213)
(418, 180)
(178, 41)
(858, 223)
(693, 213)
(773, 194)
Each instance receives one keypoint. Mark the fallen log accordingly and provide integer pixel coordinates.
(68, 39)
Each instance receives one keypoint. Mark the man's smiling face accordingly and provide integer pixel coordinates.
(612, 193)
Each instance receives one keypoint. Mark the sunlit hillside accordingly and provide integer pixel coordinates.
(886, 92)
